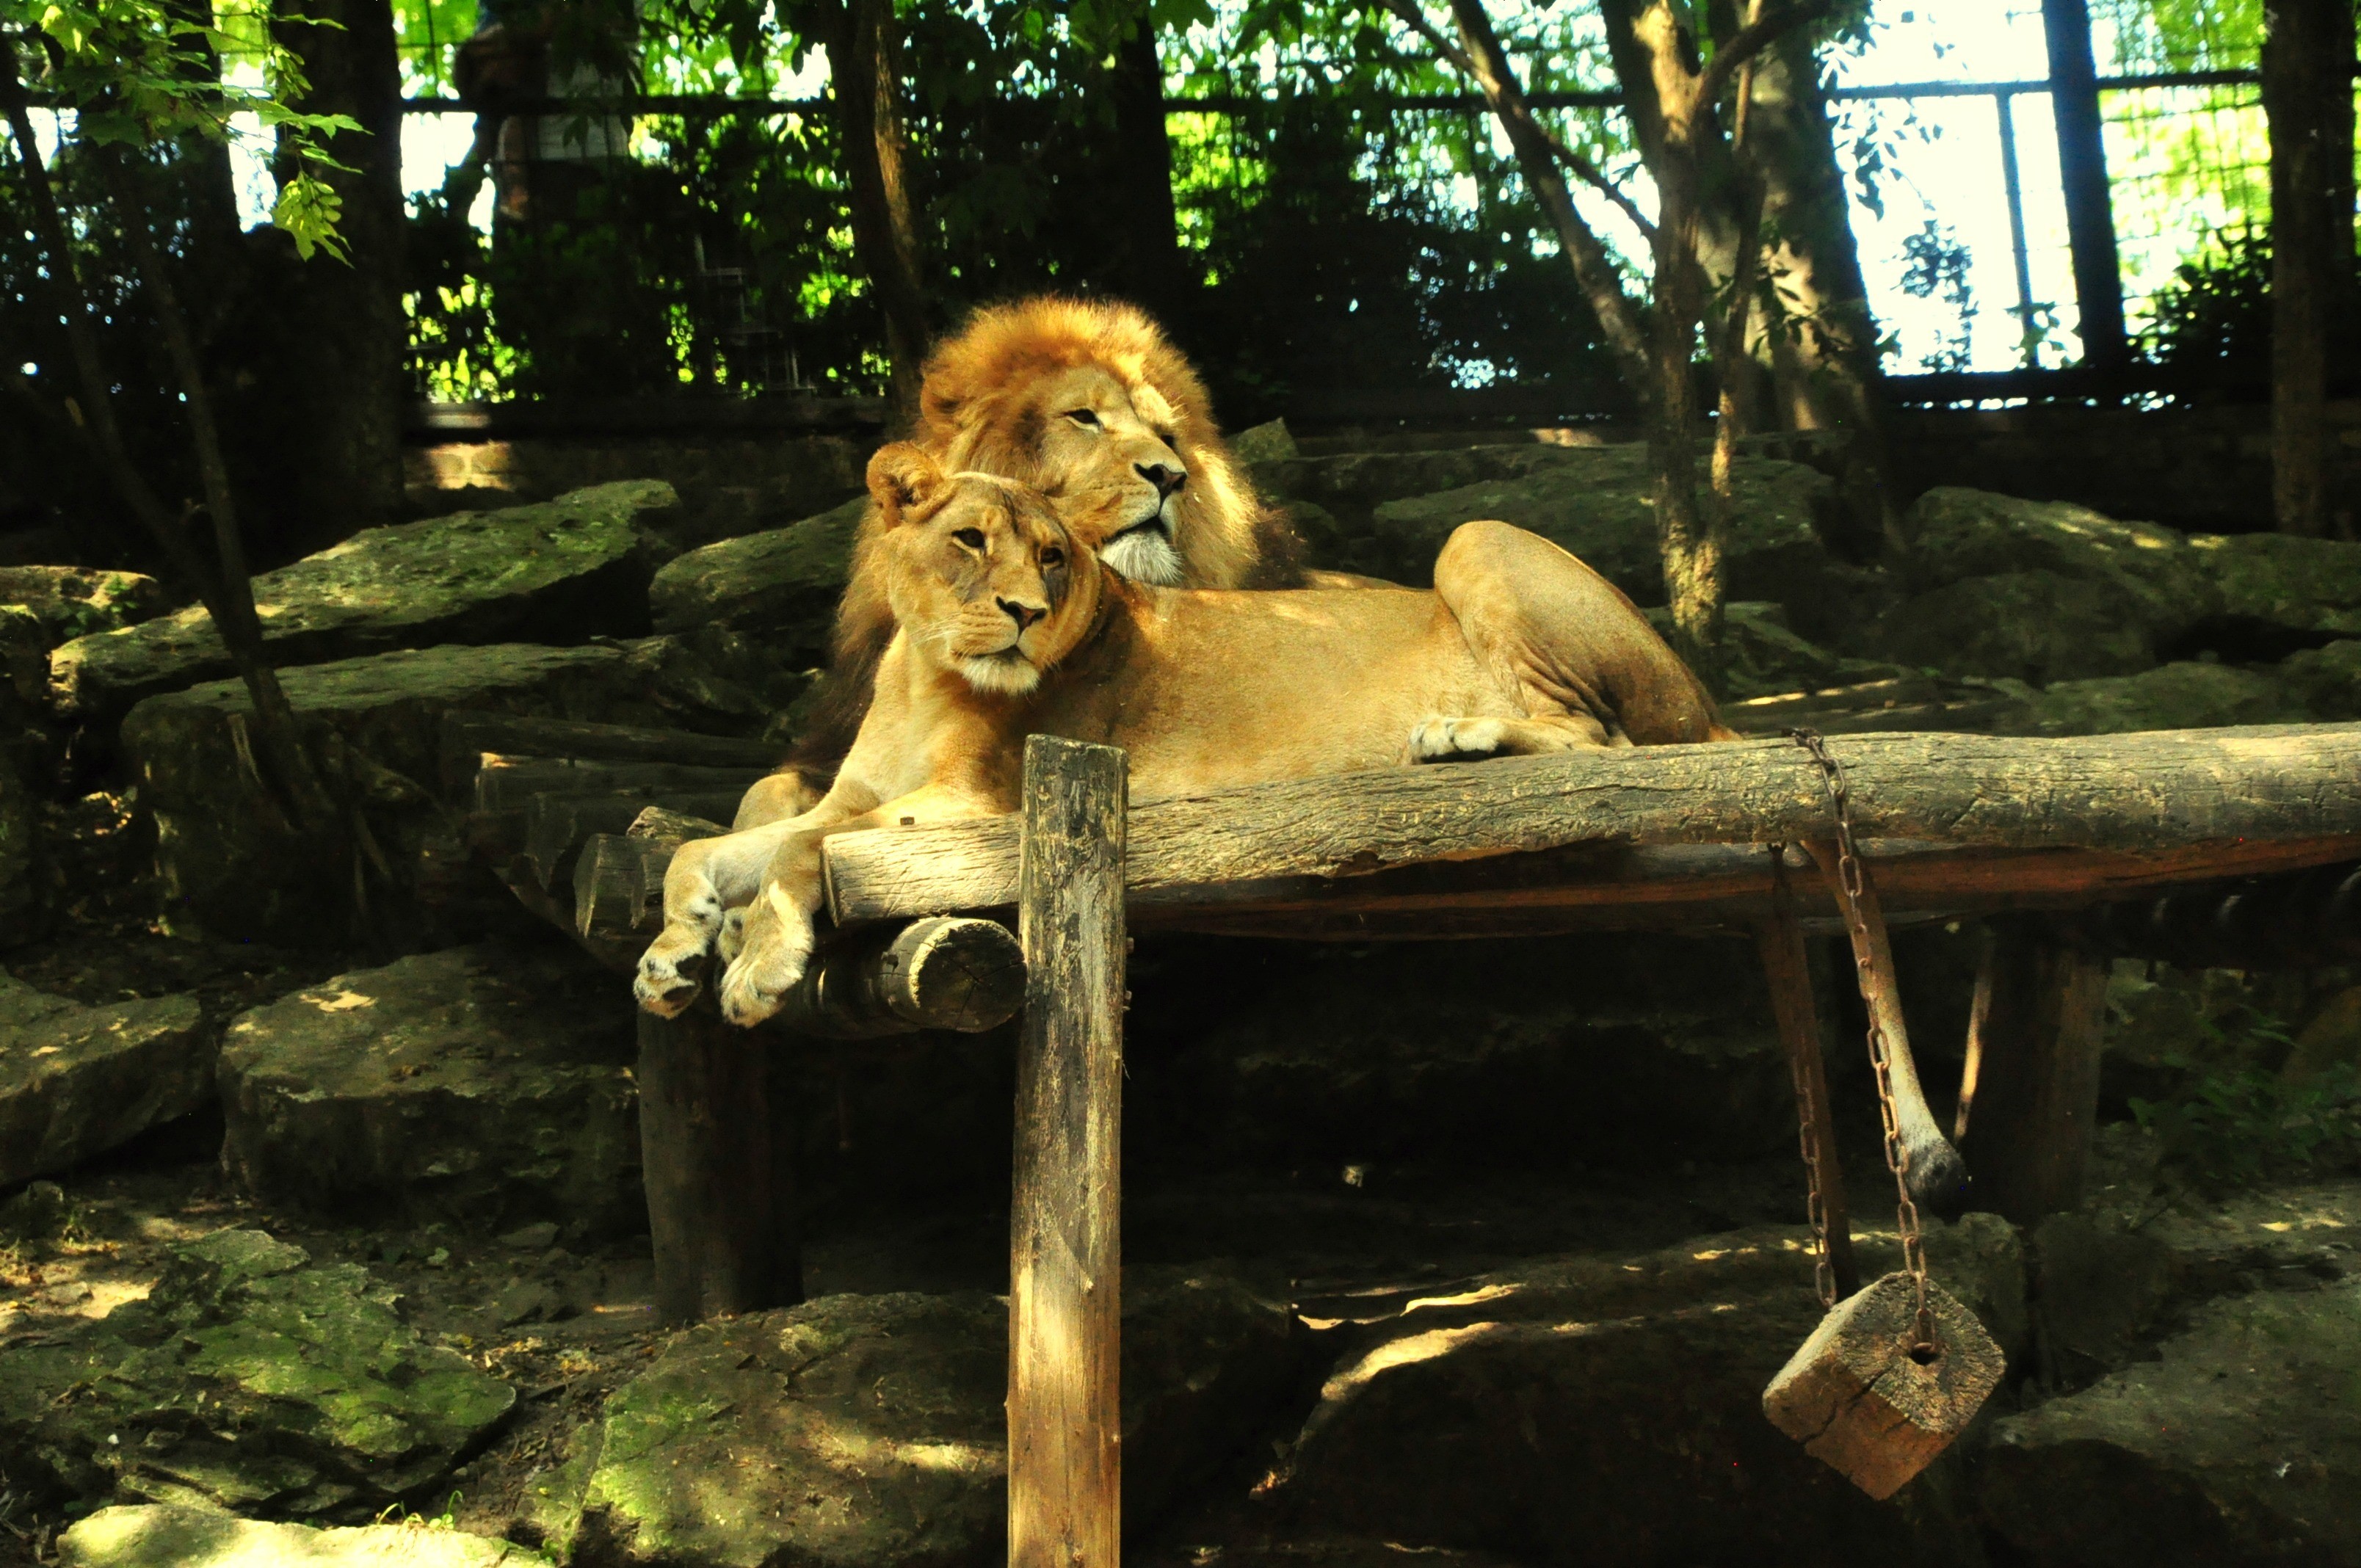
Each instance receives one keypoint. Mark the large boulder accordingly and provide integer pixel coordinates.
(76, 601)
(855, 1431)
(783, 584)
(2317, 685)
(76, 1080)
(1607, 1410)
(166, 1535)
(229, 870)
(247, 1380)
(1599, 503)
(488, 1086)
(2239, 1444)
(560, 572)
(2277, 580)
(24, 903)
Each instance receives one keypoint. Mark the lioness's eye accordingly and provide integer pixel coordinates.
(1053, 558)
(970, 537)
(1083, 417)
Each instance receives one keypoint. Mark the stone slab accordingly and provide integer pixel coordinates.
(161, 1535)
(488, 1086)
(560, 572)
(76, 1081)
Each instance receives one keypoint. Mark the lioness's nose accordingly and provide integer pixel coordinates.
(1163, 475)
(1023, 615)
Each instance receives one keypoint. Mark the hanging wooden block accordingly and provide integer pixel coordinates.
(1859, 1399)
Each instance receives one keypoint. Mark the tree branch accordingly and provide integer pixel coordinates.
(1761, 31)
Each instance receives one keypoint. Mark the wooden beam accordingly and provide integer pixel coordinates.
(719, 1178)
(2030, 1096)
(1786, 969)
(2164, 792)
(946, 972)
(1064, 1251)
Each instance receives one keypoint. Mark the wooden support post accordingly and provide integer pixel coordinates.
(718, 1172)
(2031, 1090)
(1064, 1252)
(2082, 179)
(1786, 967)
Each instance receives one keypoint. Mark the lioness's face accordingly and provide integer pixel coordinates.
(1117, 441)
(983, 578)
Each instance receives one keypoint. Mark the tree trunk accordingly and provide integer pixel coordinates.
(876, 162)
(1822, 347)
(1150, 268)
(349, 328)
(2082, 175)
(2308, 94)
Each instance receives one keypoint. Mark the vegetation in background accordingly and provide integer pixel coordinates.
(2235, 1126)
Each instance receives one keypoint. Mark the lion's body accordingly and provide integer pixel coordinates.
(1009, 627)
(993, 402)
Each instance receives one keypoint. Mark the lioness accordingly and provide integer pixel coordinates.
(1010, 625)
(1066, 396)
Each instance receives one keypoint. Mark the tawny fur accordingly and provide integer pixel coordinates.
(994, 400)
(1009, 625)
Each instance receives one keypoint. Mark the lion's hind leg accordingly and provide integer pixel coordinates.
(1580, 659)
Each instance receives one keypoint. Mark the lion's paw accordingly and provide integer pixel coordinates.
(760, 979)
(1456, 739)
(671, 970)
(732, 939)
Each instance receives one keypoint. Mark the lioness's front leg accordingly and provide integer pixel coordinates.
(706, 880)
(775, 946)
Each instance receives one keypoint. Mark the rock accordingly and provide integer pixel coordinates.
(2317, 685)
(2331, 1040)
(1598, 502)
(1764, 657)
(871, 1428)
(1616, 1402)
(2239, 1444)
(36, 1214)
(78, 601)
(228, 870)
(560, 572)
(1270, 442)
(24, 902)
(783, 583)
(76, 1080)
(486, 1085)
(539, 1236)
(248, 1380)
(2280, 581)
(160, 1535)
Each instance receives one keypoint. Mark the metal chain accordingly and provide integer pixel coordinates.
(1810, 1130)
(1852, 880)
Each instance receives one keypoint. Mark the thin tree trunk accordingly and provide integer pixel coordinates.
(352, 332)
(2308, 94)
(1822, 343)
(1150, 269)
(876, 159)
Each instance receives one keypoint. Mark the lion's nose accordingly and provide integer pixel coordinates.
(1167, 480)
(1023, 615)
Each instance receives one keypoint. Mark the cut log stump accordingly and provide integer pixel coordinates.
(2029, 1098)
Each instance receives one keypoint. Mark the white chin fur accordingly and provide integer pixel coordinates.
(1009, 677)
(1145, 555)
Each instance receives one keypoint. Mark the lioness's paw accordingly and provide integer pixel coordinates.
(670, 972)
(732, 941)
(1456, 739)
(760, 979)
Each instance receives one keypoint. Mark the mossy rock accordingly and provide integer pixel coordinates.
(562, 571)
(79, 602)
(163, 1535)
(783, 583)
(76, 1081)
(488, 1086)
(248, 1380)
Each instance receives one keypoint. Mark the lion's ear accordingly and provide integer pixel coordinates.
(901, 477)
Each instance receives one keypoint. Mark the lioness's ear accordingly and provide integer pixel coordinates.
(901, 477)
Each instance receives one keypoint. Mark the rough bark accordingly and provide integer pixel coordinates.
(866, 87)
(2308, 94)
(2030, 1095)
(1065, 1255)
(349, 333)
(1150, 268)
(2222, 794)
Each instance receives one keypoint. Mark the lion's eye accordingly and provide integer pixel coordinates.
(970, 537)
(1053, 558)
(1087, 417)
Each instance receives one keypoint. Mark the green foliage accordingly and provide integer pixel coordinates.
(2234, 1126)
(2217, 309)
(139, 72)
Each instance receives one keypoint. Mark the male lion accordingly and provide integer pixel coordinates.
(1010, 625)
(1065, 396)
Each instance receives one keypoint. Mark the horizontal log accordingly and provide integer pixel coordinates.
(466, 735)
(558, 826)
(942, 973)
(2172, 804)
(506, 783)
(619, 882)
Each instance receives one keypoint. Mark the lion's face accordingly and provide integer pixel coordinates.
(984, 579)
(1116, 443)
